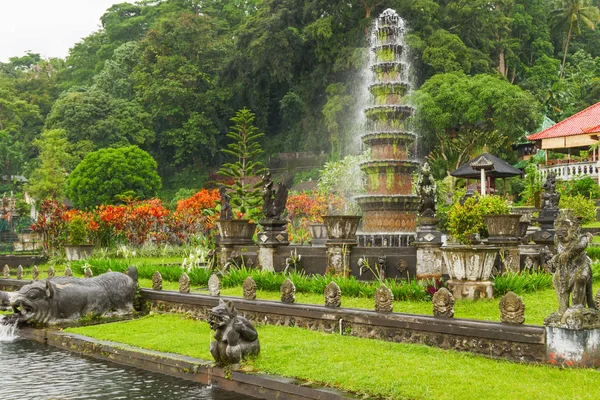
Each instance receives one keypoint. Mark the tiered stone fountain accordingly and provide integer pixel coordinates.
(390, 207)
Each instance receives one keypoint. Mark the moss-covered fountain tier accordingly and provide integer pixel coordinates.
(389, 208)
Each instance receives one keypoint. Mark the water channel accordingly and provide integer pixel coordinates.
(31, 370)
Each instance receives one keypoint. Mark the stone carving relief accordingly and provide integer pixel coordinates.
(249, 287)
(157, 281)
(384, 299)
(333, 295)
(214, 285)
(443, 303)
(184, 283)
(288, 292)
(512, 309)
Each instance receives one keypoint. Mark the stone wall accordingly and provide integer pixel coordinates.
(513, 342)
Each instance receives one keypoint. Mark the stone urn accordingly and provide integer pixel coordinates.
(78, 252)
(470, 269)
(341, 227)
(236, 231)
(318, 232)
(503, 225)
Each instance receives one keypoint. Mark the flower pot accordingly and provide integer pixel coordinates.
(503, 225)
(236, 231)
(318, 233)
(78, 252)
(469, 263)
(341, 227)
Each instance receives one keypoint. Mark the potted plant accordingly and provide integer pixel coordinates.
(498, 219)
(469, 265)
(79, 236)
(241, 200)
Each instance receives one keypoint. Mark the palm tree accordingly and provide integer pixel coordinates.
(571, 13)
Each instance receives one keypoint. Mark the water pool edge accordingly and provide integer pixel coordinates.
(192, 369)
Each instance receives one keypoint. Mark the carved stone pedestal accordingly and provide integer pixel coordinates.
(471, 290)
(509, 252)
(273, 236)
(429, 260)
(545, 236)
(531, 259)
(428, 243)
(338, 256)
(573, 348)
(234, 233)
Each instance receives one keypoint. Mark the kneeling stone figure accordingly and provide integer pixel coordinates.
(235, 337)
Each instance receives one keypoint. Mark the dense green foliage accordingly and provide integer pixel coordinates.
(168, 75)
(466, 218)
(110, 175)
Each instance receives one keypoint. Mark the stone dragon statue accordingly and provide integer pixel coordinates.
(235, 337)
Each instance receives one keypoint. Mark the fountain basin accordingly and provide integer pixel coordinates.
(390, 145)
(394, 213)
(389, 177)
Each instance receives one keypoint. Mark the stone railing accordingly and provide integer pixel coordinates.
(570, 171)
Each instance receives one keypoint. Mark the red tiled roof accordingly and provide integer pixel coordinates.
(586, 121)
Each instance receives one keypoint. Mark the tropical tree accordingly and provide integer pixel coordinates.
(459, 114)
(570, 15)
(107, 176)
(47, 181)
(245, 149)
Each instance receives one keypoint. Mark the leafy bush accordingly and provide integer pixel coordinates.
(532, 191)
(521, 283)
(582, 207)
(584, 186)
(593, 252)
(466, 220)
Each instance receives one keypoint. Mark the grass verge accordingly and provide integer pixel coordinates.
(372, 368)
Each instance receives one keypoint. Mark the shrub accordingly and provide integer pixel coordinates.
(521, 283)
(466, 219)
(582, 207)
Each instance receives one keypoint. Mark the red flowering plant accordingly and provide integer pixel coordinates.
(306, 208)
(51, 226)
(195, 215)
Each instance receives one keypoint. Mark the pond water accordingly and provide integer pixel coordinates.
(31, 370)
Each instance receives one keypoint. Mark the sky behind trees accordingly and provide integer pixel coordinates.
(49, 27)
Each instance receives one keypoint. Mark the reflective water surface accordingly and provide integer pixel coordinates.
(31, 370)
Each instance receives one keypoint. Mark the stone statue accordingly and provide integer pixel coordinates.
(6, 271)
(273, 202)
(20, 272)
(288, 292)
(550, 197)
(157, 281)
(214, 285)
(226, 211)
(384, 299)
(68, 271)
(571, 265)
(249, 287)
(184, 283)
(88, 272)
(35, 273)
(333, 295)
(443, 303)
(67, 299)
(51, 272)
(512, 309)
(235, 337)
(427, 191)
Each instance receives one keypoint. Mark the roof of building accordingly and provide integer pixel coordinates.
(501, 169)
(584, 122)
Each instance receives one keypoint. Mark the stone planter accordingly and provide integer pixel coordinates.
(78, 252)
(503, 225)
(470, 269)
(236, 231)
(318, 233)
(341, 227)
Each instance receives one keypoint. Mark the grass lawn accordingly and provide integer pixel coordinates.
(365, 366)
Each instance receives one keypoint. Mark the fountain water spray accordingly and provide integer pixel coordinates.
(8, 329)
(390, 207)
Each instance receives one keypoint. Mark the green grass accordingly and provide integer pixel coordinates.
(365, 366)
(595, 224)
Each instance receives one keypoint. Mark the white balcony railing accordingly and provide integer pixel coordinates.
(570, 171)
